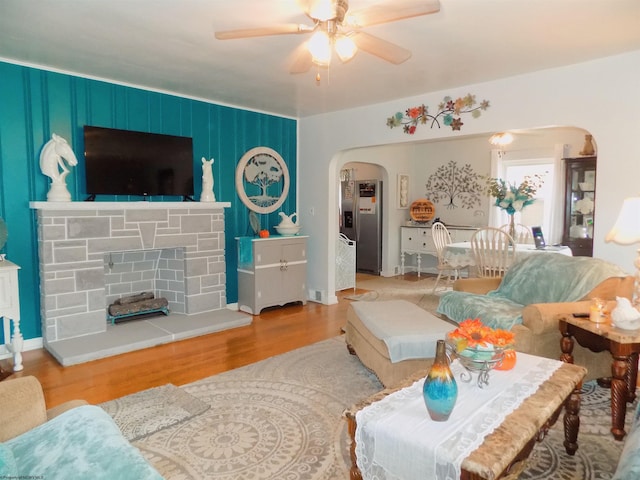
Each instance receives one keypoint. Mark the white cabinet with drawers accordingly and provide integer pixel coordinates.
(271, 271)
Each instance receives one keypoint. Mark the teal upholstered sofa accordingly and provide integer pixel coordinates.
(74, 441)
(531, 295)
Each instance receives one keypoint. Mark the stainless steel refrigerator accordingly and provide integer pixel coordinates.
(361, 221)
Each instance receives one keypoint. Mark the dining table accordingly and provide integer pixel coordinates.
(460, 254)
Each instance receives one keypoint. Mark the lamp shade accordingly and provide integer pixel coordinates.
(626, 230)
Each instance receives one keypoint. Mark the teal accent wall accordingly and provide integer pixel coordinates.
(35, 103)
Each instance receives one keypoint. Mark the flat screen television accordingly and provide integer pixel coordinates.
(126, 162)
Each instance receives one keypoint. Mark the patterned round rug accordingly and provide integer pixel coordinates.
(598, 452)
(280, 418)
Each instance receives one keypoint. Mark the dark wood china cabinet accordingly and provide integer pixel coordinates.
(579, 205)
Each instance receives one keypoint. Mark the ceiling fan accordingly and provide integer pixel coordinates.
(334, 28)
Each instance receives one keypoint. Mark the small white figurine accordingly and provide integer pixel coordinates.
(51, 162)
(207, 194)
(624, 315)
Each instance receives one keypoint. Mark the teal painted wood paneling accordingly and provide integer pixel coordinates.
(35, 103)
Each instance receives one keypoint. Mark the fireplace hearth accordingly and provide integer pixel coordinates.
(79, 247)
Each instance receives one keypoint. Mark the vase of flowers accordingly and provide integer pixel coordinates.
(513, 198)
(481, 348)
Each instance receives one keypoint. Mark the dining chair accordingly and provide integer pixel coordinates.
(522, 235)
(442, 238)
(493, 250)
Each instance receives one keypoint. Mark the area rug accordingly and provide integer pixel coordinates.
(282, 419)
(276, 419)
(150, 411)
(598, 452)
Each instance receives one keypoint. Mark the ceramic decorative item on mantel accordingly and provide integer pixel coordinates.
(52, 164)
(207, 194)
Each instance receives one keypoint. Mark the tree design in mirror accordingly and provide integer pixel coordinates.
(262, 180)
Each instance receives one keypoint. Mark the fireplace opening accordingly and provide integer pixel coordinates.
(135, 307)
(158, 272)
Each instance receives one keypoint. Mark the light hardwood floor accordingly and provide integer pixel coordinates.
(274, 331)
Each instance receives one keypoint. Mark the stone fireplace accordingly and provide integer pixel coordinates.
(93, 252)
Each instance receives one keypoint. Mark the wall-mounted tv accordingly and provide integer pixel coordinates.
(126, 162)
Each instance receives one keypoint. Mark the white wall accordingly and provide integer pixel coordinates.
(599, 96)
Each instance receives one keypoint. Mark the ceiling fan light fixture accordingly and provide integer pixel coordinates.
(320, 48)
(501, 139)
(322, 10)
(345, 47)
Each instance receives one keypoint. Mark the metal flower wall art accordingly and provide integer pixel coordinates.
(449, 113)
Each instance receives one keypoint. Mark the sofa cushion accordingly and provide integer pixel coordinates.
(81, 443)
(543, 278)
(8, 466)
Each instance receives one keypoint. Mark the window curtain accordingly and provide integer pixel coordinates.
(495, 172)
(557, 214)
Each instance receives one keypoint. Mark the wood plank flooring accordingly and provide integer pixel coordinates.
(274, 331)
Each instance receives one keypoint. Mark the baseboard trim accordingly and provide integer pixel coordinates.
(30, 344)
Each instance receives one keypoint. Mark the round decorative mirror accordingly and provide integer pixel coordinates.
(262, 180)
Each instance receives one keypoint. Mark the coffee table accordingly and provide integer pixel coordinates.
(503, 452)
(624, 346)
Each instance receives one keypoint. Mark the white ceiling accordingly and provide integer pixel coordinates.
(168, 45)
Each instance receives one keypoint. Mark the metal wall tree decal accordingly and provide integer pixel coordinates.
(451, 183)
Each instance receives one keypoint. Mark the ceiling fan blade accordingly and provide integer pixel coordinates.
(302, 60)
(284, 29)
(381, 48)
(393, 11)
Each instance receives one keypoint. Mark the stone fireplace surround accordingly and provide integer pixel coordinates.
(77, 242)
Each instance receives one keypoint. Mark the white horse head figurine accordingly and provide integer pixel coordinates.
(52, 164)
(207, 194)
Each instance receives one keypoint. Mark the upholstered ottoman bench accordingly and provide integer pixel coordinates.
(393, 338)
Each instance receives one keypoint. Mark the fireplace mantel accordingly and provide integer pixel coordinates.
(83, 206)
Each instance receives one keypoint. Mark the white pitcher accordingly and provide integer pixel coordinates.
(287, 220)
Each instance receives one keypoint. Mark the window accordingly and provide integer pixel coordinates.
(540, 212)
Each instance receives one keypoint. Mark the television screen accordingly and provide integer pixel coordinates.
(125, 162)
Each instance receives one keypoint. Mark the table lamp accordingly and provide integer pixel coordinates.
(626, 231)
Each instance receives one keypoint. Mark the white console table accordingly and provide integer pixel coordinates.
(10, 311)
(417, 240)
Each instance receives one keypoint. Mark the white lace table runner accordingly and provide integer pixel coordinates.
(397, 440)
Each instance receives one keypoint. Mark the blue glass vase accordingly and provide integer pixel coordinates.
(440, 390)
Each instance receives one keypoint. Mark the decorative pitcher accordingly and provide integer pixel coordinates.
(440, 390)
(287, 220)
